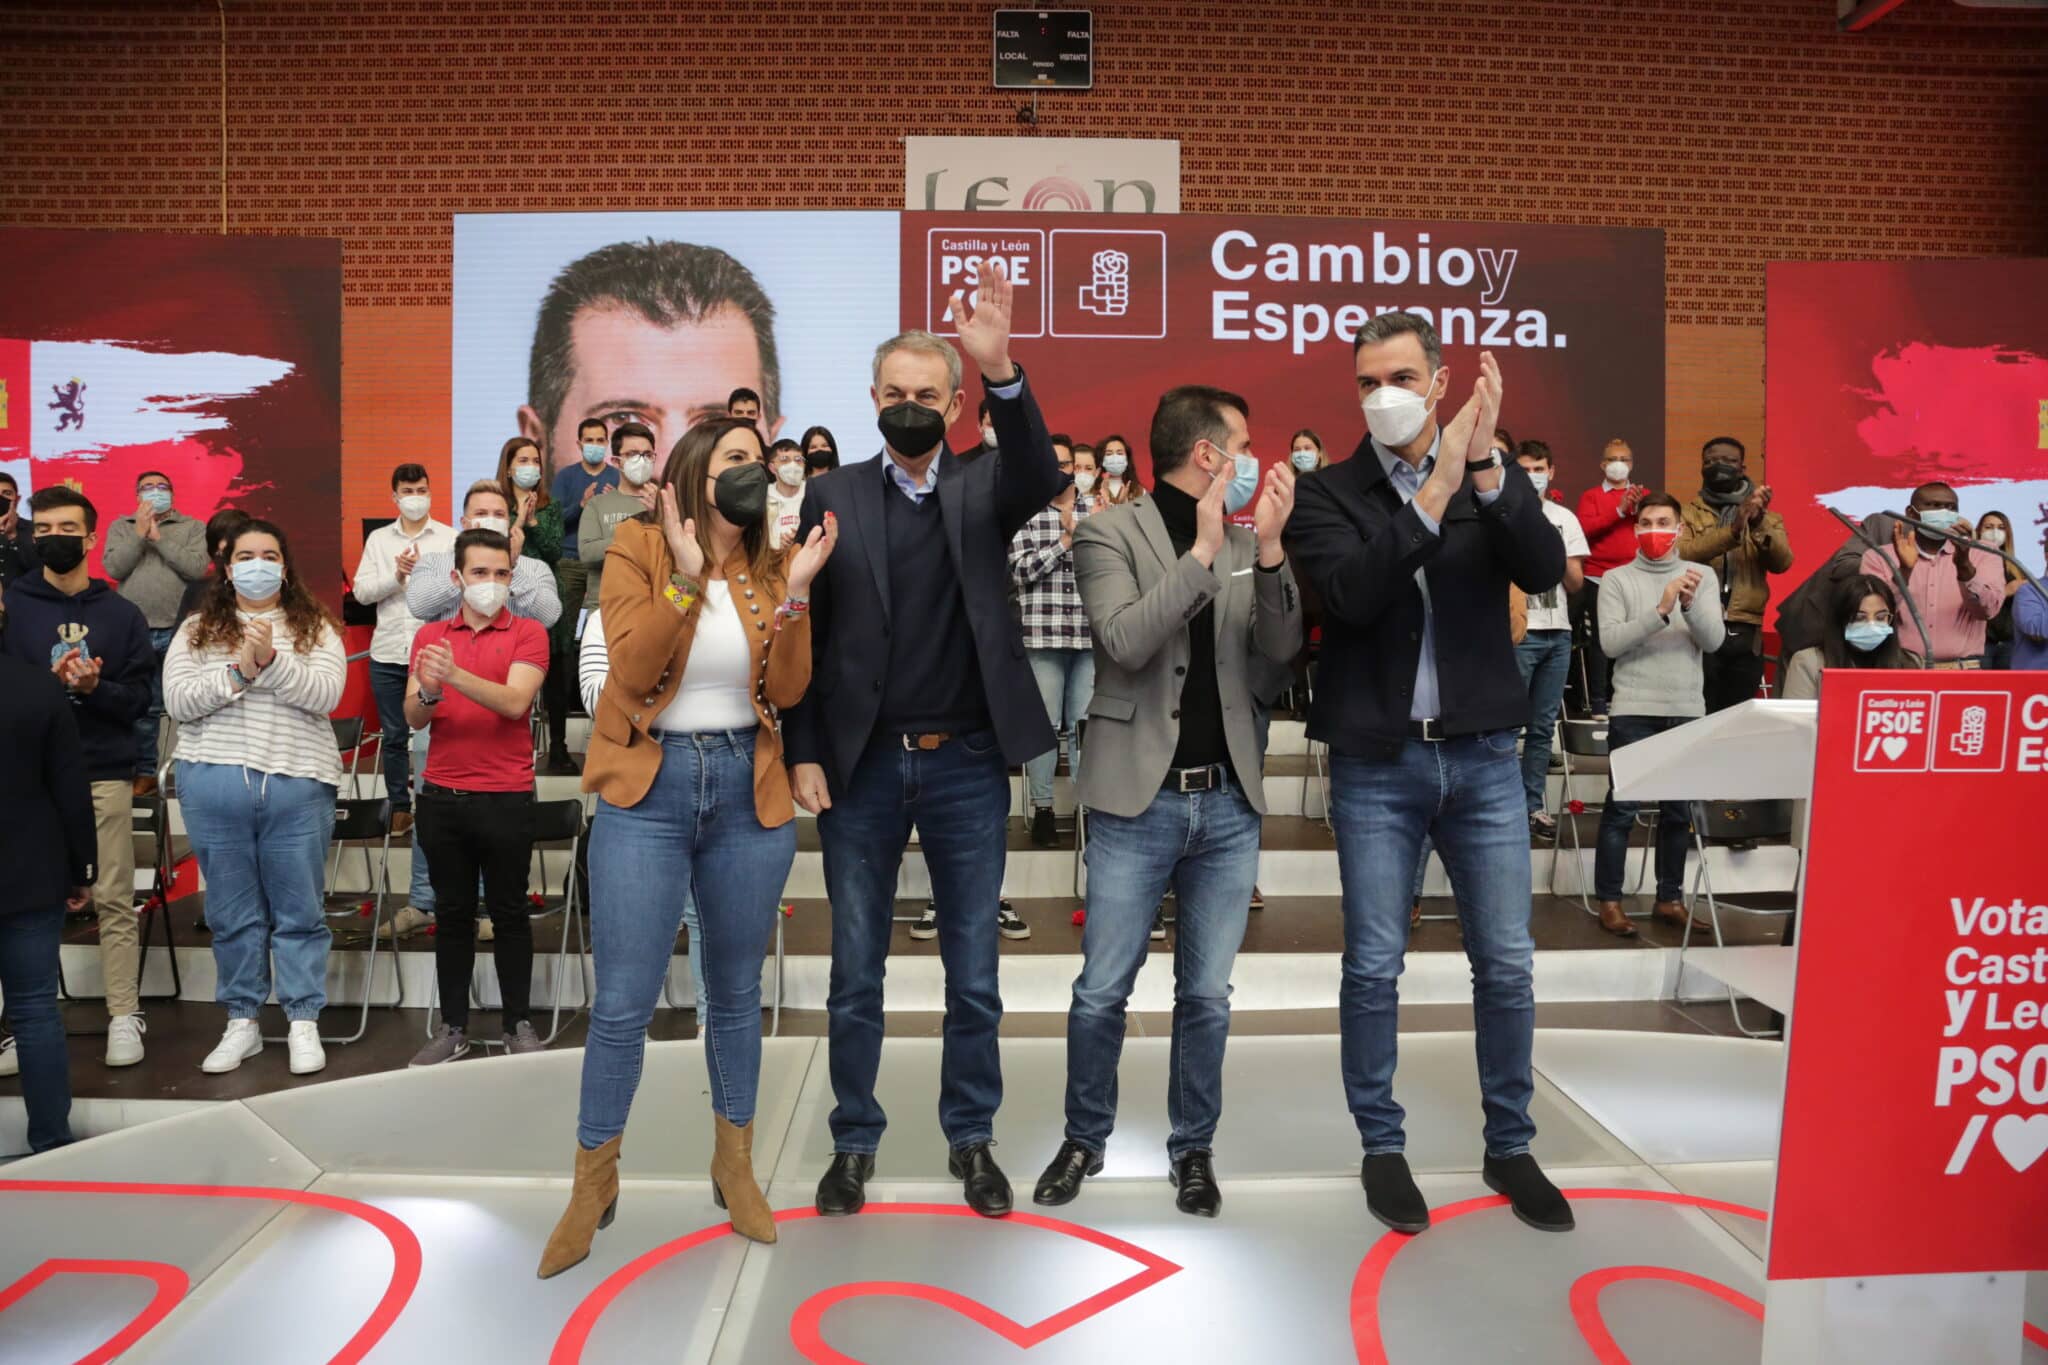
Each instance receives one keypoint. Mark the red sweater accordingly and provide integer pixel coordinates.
(1610, 536)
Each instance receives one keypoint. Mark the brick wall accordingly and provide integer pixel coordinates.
(1747, 129)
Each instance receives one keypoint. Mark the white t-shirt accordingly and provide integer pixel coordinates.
(718, 678)
(1547, 609)
(784, 510)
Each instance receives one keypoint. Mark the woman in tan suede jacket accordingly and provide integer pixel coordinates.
(708, 635)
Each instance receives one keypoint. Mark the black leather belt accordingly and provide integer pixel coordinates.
(1186, 780)
(1428, 731)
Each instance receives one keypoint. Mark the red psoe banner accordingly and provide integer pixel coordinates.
(1915, 1135)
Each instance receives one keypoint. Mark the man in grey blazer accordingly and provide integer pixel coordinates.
(1195, 623)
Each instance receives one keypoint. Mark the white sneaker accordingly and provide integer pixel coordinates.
(242, 1041)
(303, 1043)
(124, 1039)
(403, 924)
(10, 1060)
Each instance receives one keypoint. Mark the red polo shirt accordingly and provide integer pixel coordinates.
(473, 748)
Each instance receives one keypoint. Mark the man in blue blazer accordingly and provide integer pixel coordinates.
(921, 700)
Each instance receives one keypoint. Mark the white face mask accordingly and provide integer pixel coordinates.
(1994, 538)
(1084, 480)
(1303, 460)
(415, 506)
(790, 473)
(988, 437)
(1395, 416)
(1539, 481)
(1115, 465)
(638, 469)
(1616, 471)
(485, 599)
(498, 524)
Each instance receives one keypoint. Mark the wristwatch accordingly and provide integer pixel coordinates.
(424, 700)
(1492, 461)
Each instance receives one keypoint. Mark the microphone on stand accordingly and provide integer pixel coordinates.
(1898, 577)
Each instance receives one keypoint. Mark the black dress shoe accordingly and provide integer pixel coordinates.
(1390, 1193)
(982, 1181)
(1536, 1201)
(1063, 1176)
(1044, 833)
(1194, 1177)
(844, 1187)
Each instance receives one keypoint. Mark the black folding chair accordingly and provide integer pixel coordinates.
(363, 823)
(1733, 822)
(1585, 740)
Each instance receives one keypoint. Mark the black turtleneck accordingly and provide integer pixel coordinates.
(1201, 708)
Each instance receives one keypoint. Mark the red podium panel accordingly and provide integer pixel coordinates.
(1916, 1093)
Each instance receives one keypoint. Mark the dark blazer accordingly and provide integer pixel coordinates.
(1357, 545)
(984, 505)
(47, 842)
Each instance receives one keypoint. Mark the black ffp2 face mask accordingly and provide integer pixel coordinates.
(1721, 477)
(61, 553)
(912, 429)
(741, 494)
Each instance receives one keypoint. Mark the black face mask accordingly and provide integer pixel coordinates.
(912, 429)
(1720, 477)
(741, 494)
(61, 553)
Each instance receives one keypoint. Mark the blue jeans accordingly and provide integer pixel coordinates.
(147, 724)
(1066, 679)
(958, 797)
(1545, 657)
(695, 830)
(1466, 795)
(1674, 821)
(29, 943)
(1206, 844)
(387, 684)
(262, 844)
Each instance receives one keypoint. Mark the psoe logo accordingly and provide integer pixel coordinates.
(1970, 730)
(1894, 732)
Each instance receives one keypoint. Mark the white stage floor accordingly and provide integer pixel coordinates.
(398, 1217)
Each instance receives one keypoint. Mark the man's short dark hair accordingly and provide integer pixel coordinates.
(1740, 450)
(1533, 449)
(1507, 437)
(480, 538)
(1927, 487)
(625, 429)
(1186, 416)
(1060, 438)
(586, 424)
(154, 474)
(742, 395)
(1660, 500)
(50, 499)
(982, 411)
(668, 283)
(785, 446)
(408, 473)
(8, 479)
(1387, 326)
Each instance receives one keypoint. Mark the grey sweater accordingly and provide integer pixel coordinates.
(1657, 665)
(154, 574)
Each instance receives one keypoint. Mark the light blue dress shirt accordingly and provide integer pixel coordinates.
(917, 492)
(1407, 480)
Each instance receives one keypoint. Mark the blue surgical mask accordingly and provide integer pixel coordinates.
(159, 499)
(594, 454)
(1115, 465)
(526, 475)
(1303, 460)
(1940, 518)
(1244, 484)
(257, 579)
(1866, 635)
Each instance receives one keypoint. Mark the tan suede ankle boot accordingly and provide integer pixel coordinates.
(593, 1199)
(733, 1184)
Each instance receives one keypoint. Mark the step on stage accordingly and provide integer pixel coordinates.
(398, 1217)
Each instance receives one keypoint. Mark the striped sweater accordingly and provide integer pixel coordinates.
(278, 724)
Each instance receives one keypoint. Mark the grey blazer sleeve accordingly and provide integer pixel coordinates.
(1131, 627)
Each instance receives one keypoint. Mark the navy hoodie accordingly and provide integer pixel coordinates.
(43, 622)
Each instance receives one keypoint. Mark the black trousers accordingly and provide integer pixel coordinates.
(1591, 664)
(1733, 673)
(464, 834)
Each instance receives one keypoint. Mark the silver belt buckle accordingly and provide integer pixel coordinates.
(1432, 731)
(1191, 780)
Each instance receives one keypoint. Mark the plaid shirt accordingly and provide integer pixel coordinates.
(1048, 601)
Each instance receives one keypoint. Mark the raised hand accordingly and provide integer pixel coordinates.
(1210, 519)
(408, 560)
(1903, 545)
(434, 666)
(817, 548)
(681, 536)
(262, 641)
(1465, 428)
(1672, 592)
(1270, 512)
(145, 522)
(1688, 584)
(985, 334)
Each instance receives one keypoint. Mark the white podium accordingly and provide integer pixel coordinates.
(1758, 751)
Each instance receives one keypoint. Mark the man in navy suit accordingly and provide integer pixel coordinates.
(921, 700)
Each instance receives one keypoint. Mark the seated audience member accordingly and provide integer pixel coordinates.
(635, 495)
(574, 486)
(48, 847)
(1607, 517)
(1995, 530)
(155, 555)
(431, 594)
(1305, 452)
(98, 644)
(474, 678)
(1658, 617)
(1863, 632)
(390, 554)
(1119, 479)
(1056, 640)
(1956, 590)
(786, 495)
(1729, 525)
(821, 452)
(745, 404)
(16, 555)
(1543, 649)
(250, 681)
